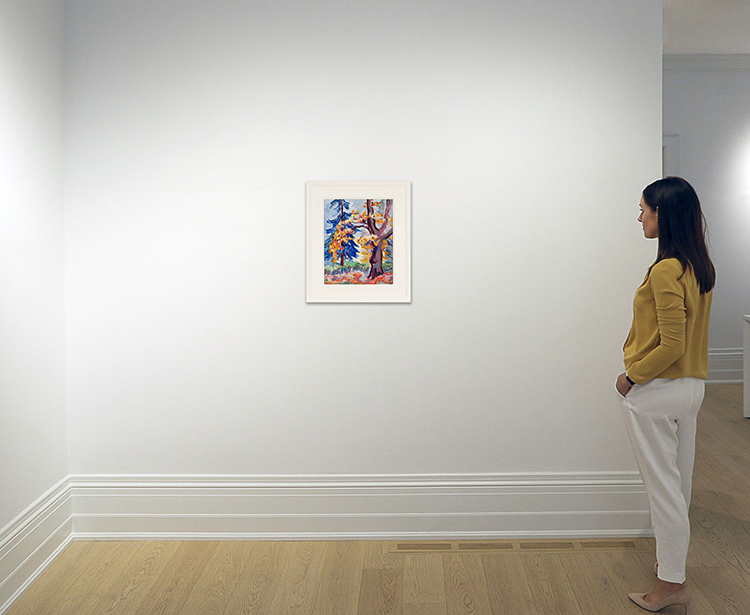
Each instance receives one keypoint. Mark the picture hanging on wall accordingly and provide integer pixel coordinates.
(358, 242)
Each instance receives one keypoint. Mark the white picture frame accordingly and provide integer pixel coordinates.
(397, 195)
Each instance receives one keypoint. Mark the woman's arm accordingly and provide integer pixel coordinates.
(669, 294)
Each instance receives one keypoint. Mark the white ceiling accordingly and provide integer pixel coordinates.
(707, 26)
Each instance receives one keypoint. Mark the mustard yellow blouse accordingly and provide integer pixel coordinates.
(669, 334)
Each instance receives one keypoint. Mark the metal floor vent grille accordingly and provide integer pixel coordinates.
(522, 546)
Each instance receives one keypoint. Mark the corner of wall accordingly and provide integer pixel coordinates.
(33, 540)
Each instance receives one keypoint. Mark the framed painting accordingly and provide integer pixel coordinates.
(358, 242)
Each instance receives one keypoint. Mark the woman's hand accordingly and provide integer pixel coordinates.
(622, 385)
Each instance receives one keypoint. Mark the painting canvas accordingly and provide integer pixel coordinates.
(358, 242)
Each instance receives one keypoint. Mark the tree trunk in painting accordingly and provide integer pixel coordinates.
(382, 233)
(376, 262)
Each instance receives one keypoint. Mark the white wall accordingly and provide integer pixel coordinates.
(528, 131)
(35, 510)
(33, 424)
(707, 104)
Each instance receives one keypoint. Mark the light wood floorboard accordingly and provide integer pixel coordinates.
(375, 578)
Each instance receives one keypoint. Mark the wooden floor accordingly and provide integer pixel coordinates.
(558, 577)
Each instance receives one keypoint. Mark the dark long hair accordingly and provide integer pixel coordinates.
(682, 228)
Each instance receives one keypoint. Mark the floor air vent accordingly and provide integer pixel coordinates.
(522, 546)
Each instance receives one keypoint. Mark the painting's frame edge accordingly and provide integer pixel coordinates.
(318, 292)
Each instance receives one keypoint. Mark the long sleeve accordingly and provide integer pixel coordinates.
(669, 300)
(669, 335)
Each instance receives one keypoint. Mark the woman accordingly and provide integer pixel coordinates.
(666, 362)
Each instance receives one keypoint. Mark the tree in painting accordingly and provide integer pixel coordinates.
(359, 241)
(380, 228)
(340, 246)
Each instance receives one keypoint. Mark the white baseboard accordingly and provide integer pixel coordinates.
(725, 366)
(707, 61)
(32, 541)
(359, 507)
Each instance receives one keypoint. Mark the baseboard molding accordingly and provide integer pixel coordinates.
(359, 507)
(707, 61)
(32, 541)
(725, 366)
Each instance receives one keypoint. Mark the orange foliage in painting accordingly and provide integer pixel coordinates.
(340, 236)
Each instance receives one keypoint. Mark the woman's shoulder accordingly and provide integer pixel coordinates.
(669, 267)
(670, 274)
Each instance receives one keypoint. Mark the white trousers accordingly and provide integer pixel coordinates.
(660, 417)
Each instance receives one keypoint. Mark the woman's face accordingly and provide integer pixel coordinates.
(649, 218)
